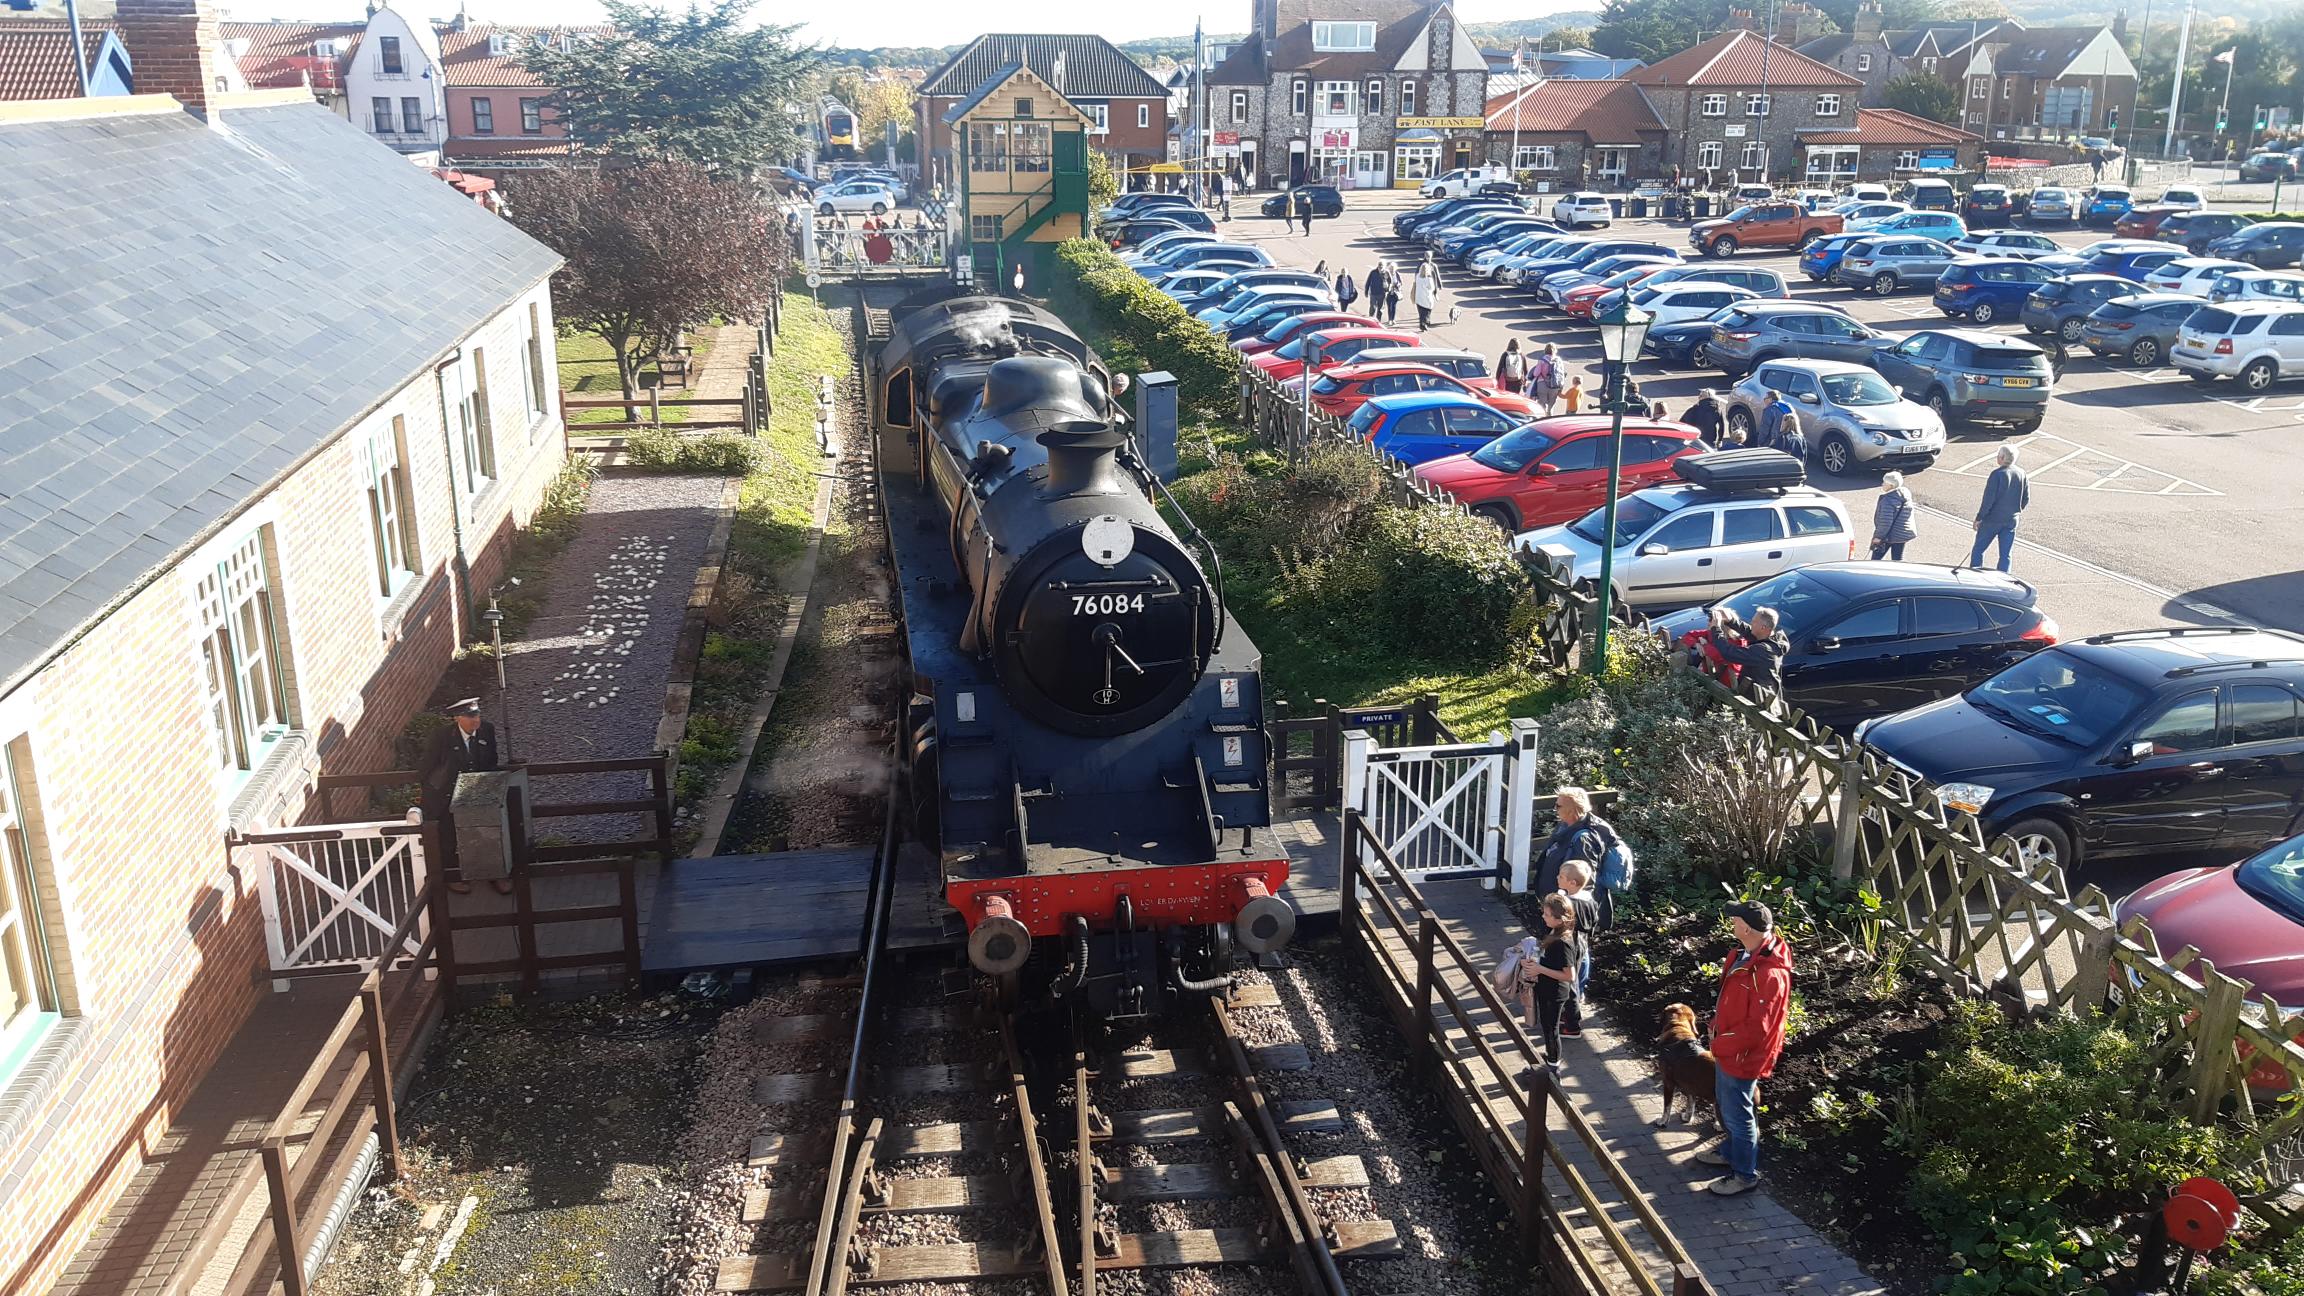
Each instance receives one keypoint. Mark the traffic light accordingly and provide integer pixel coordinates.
(2222, 121)
(2113, 119)
(2262, 115)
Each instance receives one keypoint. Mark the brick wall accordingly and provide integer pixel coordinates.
(175, 48)
(165, 940)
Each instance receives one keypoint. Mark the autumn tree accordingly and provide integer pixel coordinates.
(650, 249)
(695, 86)
(883, 105)
(1923, 96)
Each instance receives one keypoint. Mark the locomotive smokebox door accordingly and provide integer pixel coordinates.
(1107, 540)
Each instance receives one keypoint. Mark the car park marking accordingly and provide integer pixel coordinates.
(2255, 405)
(2086, 468)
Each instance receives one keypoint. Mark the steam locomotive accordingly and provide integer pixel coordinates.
(1086, 731)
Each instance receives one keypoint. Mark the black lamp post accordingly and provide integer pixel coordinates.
(1623, 330)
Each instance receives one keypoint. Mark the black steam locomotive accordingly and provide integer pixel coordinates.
(1086, 732)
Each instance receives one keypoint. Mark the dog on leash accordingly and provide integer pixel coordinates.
(1684, 1066)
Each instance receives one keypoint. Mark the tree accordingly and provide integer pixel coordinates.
(651, 249)
(883, 105)
(1653, 29)
(1923, 96)
(694, 86)
(1561, 38)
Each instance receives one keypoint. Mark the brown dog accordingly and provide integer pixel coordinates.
(1685, 1066)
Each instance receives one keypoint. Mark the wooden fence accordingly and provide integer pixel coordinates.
(1307, 750)
(1442, 1002)
(749, 412)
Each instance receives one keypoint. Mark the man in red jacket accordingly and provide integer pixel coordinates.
(1747, 1034)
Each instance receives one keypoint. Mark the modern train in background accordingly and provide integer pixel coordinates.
(836, 131)
(1085, 730)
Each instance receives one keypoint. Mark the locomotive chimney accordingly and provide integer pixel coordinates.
(1080, 455)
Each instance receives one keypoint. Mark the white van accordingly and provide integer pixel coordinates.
(1869, 193)
(1464, 180)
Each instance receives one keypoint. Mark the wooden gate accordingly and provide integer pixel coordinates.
(1448, 810)
(1307, 751)
(335, 896)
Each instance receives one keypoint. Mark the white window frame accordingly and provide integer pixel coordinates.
(1299, 97)
(532, 360)
(1537, 157)
(1757, 105)
(2007, 89)
(1143, 116)
(1908, 160)
(1839, 161)
(1863, 62)
(1753, 156)
(1407, 97)
(234, 591)
(1827, 105)
(1712, 105)
(1099, 118)
(1709, 155)
(1337, 98)
(1343, 36)
(464, 395)
(27, 930)
(1928, 65)
(1239, 106)
(391, 515)
(1375, 93)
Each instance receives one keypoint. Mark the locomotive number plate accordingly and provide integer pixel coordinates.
(1106, 604)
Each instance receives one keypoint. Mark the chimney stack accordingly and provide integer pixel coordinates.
(2120, 26)
(174, 47)
(1868, 20)
(1795, 23)
(1742, 20)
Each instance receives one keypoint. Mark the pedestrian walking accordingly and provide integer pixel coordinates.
(1303, 203)
(467, 745)
(1572, 396)
(1747, 1037)
(1549, 980)
(1347, 291)
(2007, 493)
(1705, 416)
(1320, 268)
(1511, 368)
(1427, 293)
(1391, 295)
(1776, 417)
(1892, 527)
(1544, 377)
(1756, 648)
(1375, 289)
(1225, 201)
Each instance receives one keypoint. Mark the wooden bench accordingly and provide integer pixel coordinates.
(675, 364)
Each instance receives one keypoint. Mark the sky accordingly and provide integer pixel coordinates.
(889, 22)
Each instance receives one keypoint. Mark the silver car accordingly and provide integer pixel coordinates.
(1853, 420)
(2020, 244)
(2052, 206)
(1892, 261)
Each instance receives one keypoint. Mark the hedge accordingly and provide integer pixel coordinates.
(1150, 327)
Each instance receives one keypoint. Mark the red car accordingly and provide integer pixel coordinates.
(1340, 391)
(2246, 918)
(2144, 222)
(1337, 347)
(1281, 333)
(1556, 470)
(1583, 299)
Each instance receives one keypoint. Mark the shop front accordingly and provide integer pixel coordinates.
(1832, 163)
(1415, 158)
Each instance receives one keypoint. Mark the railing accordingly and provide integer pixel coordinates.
(1450, 1015)
(655, 402)
(1307, 751)
(332, 894)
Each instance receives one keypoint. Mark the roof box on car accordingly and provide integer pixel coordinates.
(1741, 470)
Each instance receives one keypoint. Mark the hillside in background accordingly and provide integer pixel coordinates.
(1163, 51)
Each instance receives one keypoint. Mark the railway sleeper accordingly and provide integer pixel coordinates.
(969, 1261)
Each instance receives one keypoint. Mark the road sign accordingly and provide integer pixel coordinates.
(815, 280)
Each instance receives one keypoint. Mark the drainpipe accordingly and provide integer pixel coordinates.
(79, 48)
(459, 571)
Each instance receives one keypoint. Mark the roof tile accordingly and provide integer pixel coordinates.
(1094, 68)
(1737, 58)
(1605, 112)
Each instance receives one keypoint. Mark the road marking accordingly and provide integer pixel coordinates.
(2197, 608)
(2084, 467)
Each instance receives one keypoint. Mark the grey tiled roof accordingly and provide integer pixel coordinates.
(187, 313)
(1094, 68)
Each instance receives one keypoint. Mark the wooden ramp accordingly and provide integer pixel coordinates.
(727, 911)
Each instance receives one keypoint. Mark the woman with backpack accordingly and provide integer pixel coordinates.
(1544, 378)
(1511, 368)
(1583, 835)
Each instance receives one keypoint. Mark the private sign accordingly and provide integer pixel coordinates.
(1440, 123)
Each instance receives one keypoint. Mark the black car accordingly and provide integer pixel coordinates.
(1326, 201)
(1415, 220)
(1685, 345)
(1986, 206)
(1869, 638)
(2138, 743)
(1499, 189)
(2269, 244)
(2197, 229)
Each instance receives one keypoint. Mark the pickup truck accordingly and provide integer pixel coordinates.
(1778, 223)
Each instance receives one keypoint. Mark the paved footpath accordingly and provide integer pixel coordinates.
(1747, 1245)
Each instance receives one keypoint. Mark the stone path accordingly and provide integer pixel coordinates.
(1747, 1245)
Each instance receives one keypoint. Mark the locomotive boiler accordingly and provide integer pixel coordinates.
(1086, 732)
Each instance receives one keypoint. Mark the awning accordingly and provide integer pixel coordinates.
(466, 183)
(1418, 135)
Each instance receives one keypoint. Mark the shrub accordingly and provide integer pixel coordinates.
(1149, 327)
(1444, 589)
(664, 450)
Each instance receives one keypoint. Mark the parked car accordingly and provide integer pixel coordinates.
(1463, 180)
(1507, 269)
(1891, 262)
(1754, 332)
(1144, 257)
(1675, 303)
(2258, 343)
(1282, 331)
(1132, 234)
(1941, 226)
(1555, 470)
(2144, 221)
(1851, 418)
(1766, 223)
(1184, 285)
(1326, 201)
(2197, 229)
(2023, 245)
(1686, 345)
(1684, 544)
(1487, 261)
(1335, 346)
(2106, 204)
(2194, 276)
(2269, 244)
(1968, 375)
(2184, 198)
(1409, 223)
(1871, 638)
(1929, 193)
(1574, 210)
(1341, 391)
(2257, 285)
(2246, 918)
(1458, 249)
(1240, 286)
(1499, 189)
(1249, 330)
(2138, 329)
(1467, 367)
(1868, 193)
(1763, 282)
(1822, 256)
(2131, 259)
(1987, 205)
(1418, 427)
(2258, 168)
(1583, 300)
(1438, 237)
(2061, 306)
(1254, 300)
(2118, 745)
(2052, 205)
(859, 195)
(1983, 290)
(1140, 202)
(1583, 254)
(1851, 212)
(1560, 283)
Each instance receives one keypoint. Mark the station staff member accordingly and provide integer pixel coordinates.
(468, 745)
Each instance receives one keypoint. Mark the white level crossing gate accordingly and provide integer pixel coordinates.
(1451, 810)
(334, 895)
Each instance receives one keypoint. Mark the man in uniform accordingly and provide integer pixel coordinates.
(465, 746)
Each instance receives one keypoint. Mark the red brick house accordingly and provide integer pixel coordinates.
(242, 519)
(1127, 106)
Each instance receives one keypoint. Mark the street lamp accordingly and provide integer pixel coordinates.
(1623, 330)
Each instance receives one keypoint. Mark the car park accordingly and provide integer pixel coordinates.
(1556, 469)
(1680, 302)
(2104, 205)
(1761, 280)
(2024, 245)
(2145, 742)
(2052, 205)
(2256, 343)
(1574, 210)
(1467, 367)
(858, 195)
(1867, 639)
(2195, 230)
(1560, 283)
(1463, 180)
(2143, 222)
(1334, 346)
(1941, 226)
(1987, 205)
(1410, 223)
(2061, 305)
(1754, 332)
(2138, 329)
(2195, 276)
(1421, 426)
(1852, 420)
(1890, 263)
(2268, 244)
(1343, 390)
(1249, 330)
(2258, 168)
(1326, 202)
(1283, 331)
(1457, 249)
(1968, 375)
(2244, 919)
(1981, 290)
(1485, 262)
(2257, 285)
(1735, 517)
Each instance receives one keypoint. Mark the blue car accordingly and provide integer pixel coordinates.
(1941, 226)
(1417, 427)
(1270, 314)
(1822, 256)
(1983, 289)
(2131, 259)
(2106, 205)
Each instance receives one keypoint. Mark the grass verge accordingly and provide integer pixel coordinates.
(588, 370)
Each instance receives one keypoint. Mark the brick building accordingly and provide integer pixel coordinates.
(1577, 134)
(1126, 105)
(2047, 81)
(1365, 93)
(1885, 144)
(257, 474)
(1737, 105)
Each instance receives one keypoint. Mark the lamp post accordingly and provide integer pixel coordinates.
(1623, 330)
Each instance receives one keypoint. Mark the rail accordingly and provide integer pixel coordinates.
(1450, 1014)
